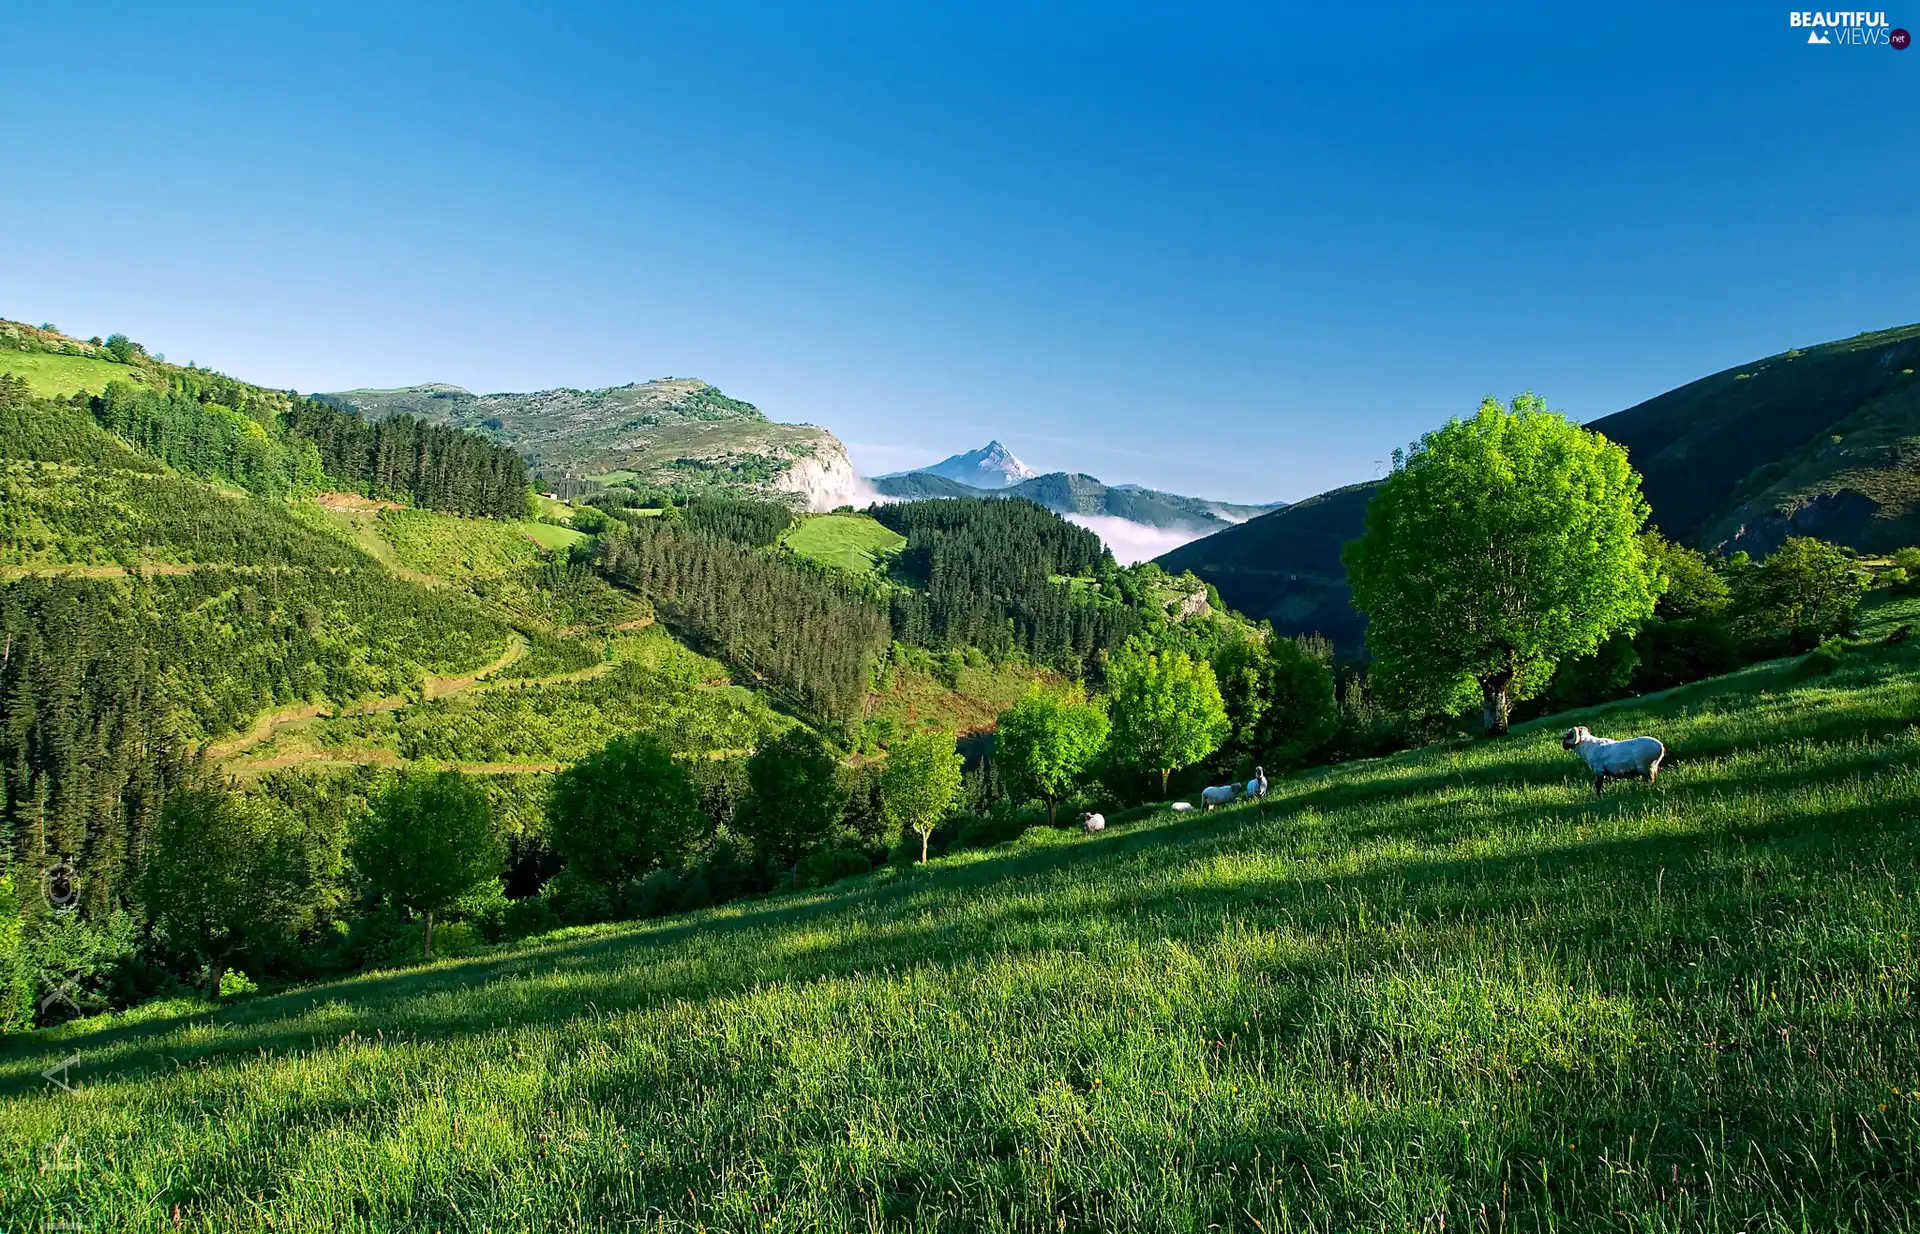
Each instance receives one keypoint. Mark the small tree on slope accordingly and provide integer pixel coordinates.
(1499, 546)
(921, 779)
(1046, 742)
(1167, 711)
(428, 841)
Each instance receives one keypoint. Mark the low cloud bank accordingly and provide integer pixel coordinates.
(1133, 542)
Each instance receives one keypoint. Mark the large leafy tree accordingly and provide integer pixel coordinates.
(428, 841)
(921, 779)
(624, 810)
(1046, 742)
(795, 795)
(1499, 546)
(1167, 710)
(1279, 698)
(222, 870)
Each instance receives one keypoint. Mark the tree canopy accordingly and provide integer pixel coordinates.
(428, 841)
(1279, 699)
(1047, 742)
(795, 795)
(919, 784)
(1167, 710)
(624, 810)
(1499, 546)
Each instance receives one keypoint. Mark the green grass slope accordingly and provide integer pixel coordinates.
(52, 375)
(850, 542)
(1445, 990)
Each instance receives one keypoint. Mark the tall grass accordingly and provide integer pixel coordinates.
(1450, 989)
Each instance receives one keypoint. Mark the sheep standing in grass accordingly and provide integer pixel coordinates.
(1257, 787)
(1091, 822)
(1219, 795)
(1181, 807)
(1635, 758)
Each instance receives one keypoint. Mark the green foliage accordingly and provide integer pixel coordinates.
(989, 574)
(753, 524)
(457, 548)
(1046, 744)
(918, 787)
(1167, 711)
(808, 635)
(623, 811)
(221, 870)
(1809, 589)
(55, 430)
(428, 841)
(795, 797)
(546, 722)
(59, 514)
(210, 440)
(433, 466)
(1689, 585)
(1279, 699)
(16, 980)
(1499, 546)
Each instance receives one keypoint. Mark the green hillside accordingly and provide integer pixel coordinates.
(1448, 988)
(1823, 442)
(851, 542)
(673, 433)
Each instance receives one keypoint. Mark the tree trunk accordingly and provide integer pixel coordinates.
(1164, 773)
(1495, 703)
(215, 971)
(924, 837)
(426, 945)
(1050, 805)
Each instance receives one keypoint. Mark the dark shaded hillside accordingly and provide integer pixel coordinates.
(1285, 567)
(1824, 441)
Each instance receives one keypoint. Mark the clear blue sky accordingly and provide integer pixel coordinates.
(1236, 250)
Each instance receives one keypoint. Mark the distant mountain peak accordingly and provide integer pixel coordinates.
(991, 466)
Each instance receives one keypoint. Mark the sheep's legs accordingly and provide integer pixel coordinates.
(1653, 772)
(1599, 782)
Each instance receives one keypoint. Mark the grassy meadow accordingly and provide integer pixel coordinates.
(851, 542)
(1450, 989)
(50, 374)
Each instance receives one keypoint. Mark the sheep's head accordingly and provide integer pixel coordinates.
(1574, 737)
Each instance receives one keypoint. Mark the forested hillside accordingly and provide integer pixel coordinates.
(1822, 442)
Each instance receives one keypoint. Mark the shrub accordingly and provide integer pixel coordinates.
(524, 917)
(830, 865)
(236, 984)
(577, 899)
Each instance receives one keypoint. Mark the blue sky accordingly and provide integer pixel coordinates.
(1240, 250)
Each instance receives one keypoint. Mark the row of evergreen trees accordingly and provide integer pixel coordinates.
(432, 466)
(811, 636)
(991, 574)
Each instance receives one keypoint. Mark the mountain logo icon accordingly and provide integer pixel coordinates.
(1817, 37)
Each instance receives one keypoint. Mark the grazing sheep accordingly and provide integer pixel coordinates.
(1218, 795)
(1257, 787)
(1091, 822)
(1635, 758)
(1181, 807)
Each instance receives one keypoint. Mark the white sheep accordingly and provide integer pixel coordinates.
(1218, 795)
(1181, 807)
(1257, 787)
(1091, 822)
(1635, 758)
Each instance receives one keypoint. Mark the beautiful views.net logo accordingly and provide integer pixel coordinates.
(1851, 29)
